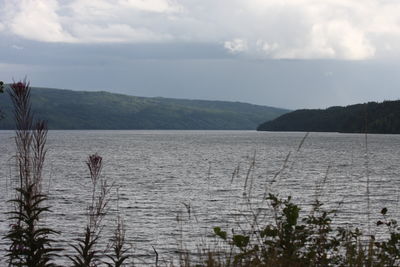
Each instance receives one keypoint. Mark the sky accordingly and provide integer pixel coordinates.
(283, 53)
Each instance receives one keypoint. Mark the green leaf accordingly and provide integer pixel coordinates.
(221, 234)
(240, 241)
(384, 211)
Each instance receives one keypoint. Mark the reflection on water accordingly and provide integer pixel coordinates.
(162, 175)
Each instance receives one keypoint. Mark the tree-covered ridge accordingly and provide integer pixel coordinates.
(66, 109)
(370, 117)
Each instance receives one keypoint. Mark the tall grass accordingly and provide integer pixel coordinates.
(30, 242)
(283, 237)
(289, 237)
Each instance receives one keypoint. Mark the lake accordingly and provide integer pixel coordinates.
(175, 186)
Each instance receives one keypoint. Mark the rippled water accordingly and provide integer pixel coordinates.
(160, 174)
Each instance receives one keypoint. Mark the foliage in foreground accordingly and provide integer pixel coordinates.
(30, 242)
(309, 241)
(289, 240)
(87, 252)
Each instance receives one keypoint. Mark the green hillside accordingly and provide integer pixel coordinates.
(66, 109)
(371, 117)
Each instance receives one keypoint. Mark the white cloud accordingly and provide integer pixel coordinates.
(38, 20)
(236, 46)
(91, 10)
(267, 48)
(338, 29)
(81, 21)
(339, 39)
(119, 11)
(116, 33)
(159, 6)
(305, 29)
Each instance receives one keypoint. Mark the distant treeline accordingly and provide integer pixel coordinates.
(66, 109)
(370, 117)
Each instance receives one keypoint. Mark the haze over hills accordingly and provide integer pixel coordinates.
(67, 109)
(370, 117)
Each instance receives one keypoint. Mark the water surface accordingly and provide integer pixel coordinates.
(162, 175)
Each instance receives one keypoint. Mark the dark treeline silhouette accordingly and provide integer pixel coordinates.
(370, 117)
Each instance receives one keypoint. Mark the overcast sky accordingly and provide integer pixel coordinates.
(284, 53)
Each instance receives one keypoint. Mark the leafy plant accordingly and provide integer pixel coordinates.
(119, 251)
(87, 253)
(310, 241)
(85, 249)
(388, 252)
(30, 244)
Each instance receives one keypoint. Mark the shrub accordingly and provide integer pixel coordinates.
(30, 244)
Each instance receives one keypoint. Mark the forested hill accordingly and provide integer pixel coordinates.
(66, 109)
(378, 117)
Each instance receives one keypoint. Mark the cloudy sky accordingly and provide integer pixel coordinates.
(285, 53)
